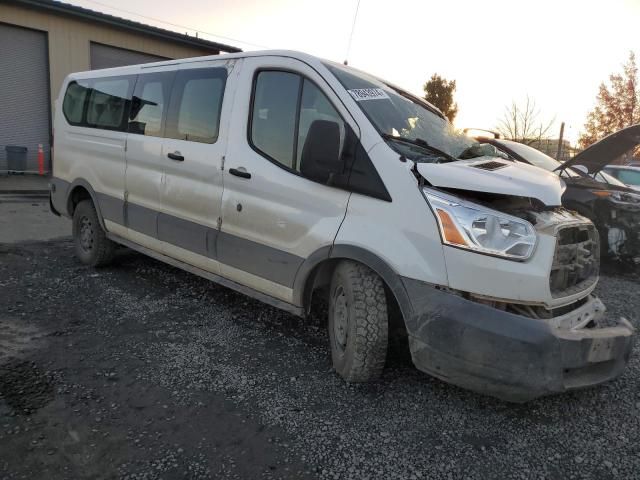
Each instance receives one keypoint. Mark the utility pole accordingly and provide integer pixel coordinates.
(560, 142)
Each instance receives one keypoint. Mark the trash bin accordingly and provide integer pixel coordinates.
(16, 158)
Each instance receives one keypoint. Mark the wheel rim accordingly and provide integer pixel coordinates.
(340, 319)
(86, 234)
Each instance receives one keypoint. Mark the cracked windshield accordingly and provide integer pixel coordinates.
(404, 119)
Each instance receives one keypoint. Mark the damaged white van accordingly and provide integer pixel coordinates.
(279, 174)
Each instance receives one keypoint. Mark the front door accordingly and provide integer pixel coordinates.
(273, 218)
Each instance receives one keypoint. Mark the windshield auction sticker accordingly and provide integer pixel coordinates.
(360, 94)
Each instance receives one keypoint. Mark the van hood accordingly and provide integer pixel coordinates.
(606, 150)
(496, 175)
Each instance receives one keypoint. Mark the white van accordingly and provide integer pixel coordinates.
(279, 174)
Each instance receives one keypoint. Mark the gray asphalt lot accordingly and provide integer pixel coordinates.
(140, 370)
(29, 218)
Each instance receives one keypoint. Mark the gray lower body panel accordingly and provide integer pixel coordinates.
(261, 260)
(141, 219)
(185, 234)
(111, 208)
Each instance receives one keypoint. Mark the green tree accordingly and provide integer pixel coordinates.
(617, 105)
(439, 92)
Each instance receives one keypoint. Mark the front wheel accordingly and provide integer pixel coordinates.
(358, 322)
(92, 245)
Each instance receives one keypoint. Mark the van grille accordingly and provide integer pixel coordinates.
(576, 262)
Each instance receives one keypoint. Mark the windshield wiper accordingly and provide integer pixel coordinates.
(419, 142)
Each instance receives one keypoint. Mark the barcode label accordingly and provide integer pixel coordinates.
(360, 94)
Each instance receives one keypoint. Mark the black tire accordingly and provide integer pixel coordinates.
(358, 322)
(92, 245)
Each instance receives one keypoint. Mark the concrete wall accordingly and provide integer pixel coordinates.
(69, 40)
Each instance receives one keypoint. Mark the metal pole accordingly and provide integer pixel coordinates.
(353, 27)
(560, 142)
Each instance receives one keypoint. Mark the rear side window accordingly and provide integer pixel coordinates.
(99, 103)
(196, 104)
(74, 102)
(149, 104)
(108, 103)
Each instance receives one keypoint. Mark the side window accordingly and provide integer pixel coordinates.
(196, 103)
(108, 103)
(74, 102)
(629, 177)
(274, 112)
(284, 107)
(315, 106)
(149, 104)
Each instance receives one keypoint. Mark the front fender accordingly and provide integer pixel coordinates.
(357, 254)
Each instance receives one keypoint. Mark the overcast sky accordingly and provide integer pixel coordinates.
(555, 51)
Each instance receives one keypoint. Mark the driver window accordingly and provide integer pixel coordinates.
(284, 106)
(315, 106)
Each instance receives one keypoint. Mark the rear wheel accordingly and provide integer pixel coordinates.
(92, 245)
(358, 322)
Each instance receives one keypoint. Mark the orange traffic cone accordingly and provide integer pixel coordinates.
(40, 160)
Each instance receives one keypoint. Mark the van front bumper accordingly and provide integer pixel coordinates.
(509, 356)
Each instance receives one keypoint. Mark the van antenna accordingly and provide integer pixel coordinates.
(353, 27)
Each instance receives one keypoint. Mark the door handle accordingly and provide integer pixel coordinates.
(240, 172)
(177, 156)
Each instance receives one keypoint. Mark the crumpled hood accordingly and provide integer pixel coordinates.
(496, 175)
(606, 150)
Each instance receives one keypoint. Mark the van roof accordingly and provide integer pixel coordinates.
(133, 69)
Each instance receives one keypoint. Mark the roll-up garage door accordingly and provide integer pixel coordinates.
(105, 56)
(24, 98)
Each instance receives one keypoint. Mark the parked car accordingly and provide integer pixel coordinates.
(613, 207)
(282, 176)
(627, 174)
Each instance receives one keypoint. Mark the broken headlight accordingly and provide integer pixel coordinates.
(618, 197)
(474, 227)
(624, 197)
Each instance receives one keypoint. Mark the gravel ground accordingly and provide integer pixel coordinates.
(143, 371)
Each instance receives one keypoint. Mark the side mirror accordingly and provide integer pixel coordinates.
(320, 159)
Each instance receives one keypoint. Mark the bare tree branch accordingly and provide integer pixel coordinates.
(522, 123)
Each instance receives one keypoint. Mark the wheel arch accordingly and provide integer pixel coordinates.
(80, 190)
(316, 271)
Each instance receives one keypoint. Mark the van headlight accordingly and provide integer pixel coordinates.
(474, 227)
(617, 196)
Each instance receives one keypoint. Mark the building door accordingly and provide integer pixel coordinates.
(24, 97)
(105, 56)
